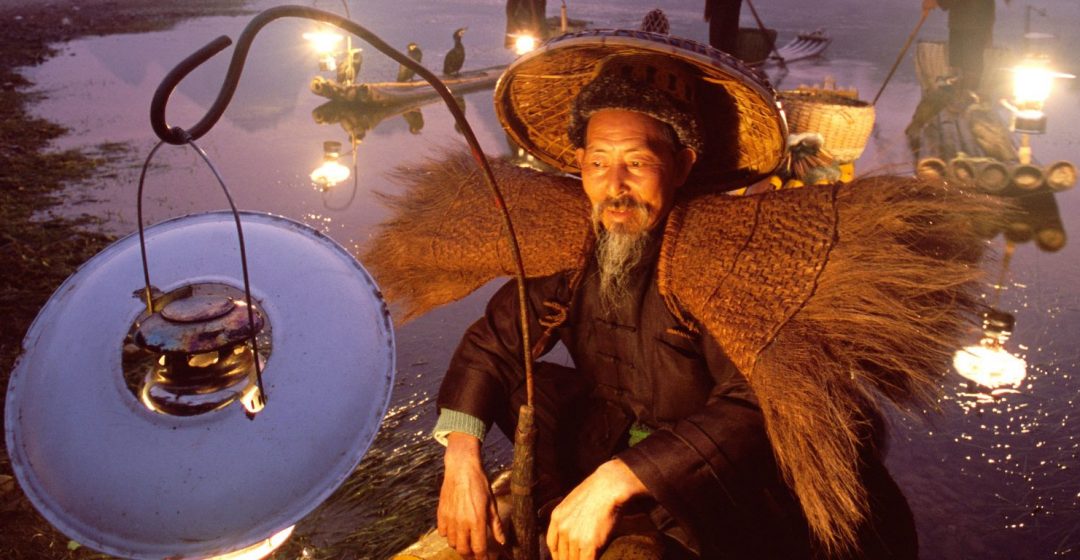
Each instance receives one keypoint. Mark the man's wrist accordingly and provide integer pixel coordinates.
(461, 448)
(623, 482)
(454, 421)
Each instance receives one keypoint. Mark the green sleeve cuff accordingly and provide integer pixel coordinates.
(454, 421)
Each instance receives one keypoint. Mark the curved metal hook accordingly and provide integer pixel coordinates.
(172, 79)
(175, 135)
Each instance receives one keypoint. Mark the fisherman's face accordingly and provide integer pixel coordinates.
(630, 169)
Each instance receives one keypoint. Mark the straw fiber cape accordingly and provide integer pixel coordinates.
(826, 298)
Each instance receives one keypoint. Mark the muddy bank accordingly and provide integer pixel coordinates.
(38, 250)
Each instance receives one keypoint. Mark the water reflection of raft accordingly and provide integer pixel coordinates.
(393, 93)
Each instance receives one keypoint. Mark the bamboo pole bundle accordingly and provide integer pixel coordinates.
(960, 169)
(1060, 176)
(990, 175)
(931, 168)
(1026, 177)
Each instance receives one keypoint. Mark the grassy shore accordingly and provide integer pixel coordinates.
(37, 252)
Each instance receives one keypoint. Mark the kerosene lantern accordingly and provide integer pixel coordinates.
(204, 359)
(133, 428)
(195, 390)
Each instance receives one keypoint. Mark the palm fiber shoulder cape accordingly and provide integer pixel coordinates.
(826, 298)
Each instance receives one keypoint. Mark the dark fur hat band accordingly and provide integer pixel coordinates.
(655, 86)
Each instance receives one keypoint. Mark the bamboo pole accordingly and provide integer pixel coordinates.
(903, 51)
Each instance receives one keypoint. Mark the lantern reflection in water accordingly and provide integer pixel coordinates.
(993, 369)
(332, 172)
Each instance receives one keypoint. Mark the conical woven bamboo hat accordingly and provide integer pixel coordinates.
(745, 127)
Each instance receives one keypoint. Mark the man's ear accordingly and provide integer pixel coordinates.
(684, 162)
(580, 153)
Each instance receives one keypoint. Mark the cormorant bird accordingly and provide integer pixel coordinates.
(404, 73)
(350, 68)
(456, 57)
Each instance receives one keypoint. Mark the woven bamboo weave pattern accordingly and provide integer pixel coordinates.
(533, 100)
(763, 255)
(447, 238)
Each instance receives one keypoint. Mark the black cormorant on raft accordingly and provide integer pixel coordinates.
(404, 73)
(455, 59)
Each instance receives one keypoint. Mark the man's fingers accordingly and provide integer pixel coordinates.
(552, 539)
(496, 523)
(457, 539)
(478, 536)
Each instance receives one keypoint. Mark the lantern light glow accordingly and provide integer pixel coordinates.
(331, 172)
(261, 549)
(324, 42)
(524, 43)
(1033, 81)
(990, 365)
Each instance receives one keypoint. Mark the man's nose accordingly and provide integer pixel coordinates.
(616, 180)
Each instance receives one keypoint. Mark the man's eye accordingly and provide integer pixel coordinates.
(596, 163)
(636, 163)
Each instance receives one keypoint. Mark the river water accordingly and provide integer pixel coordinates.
(995, 479)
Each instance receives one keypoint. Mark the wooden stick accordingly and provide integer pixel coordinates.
(903, 51)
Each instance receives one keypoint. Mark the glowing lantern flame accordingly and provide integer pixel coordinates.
(324, 42)
(1032, 82)
(524, 43)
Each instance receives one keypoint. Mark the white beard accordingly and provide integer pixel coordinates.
(617, 257)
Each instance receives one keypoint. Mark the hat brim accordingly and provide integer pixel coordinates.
(533, 101)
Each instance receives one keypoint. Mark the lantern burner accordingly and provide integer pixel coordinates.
(201, 358)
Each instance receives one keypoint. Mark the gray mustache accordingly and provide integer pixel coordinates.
(622, 203)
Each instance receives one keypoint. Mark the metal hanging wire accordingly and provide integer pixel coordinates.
(148, 294)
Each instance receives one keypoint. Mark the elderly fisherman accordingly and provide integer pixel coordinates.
(730, 353)
(654, 431)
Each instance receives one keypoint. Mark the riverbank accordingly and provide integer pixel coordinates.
(39, 250)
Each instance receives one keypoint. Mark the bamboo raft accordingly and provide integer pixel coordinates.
(395, 93)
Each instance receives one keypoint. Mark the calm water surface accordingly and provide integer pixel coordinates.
(986, 480)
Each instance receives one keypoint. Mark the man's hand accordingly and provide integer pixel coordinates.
(582, 522)
(465, 509)
(928, 5)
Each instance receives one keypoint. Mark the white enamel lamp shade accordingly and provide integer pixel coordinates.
(127, 481)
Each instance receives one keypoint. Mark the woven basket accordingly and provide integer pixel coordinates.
(843, 121)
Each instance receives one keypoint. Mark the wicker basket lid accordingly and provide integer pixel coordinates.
(745, 127)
